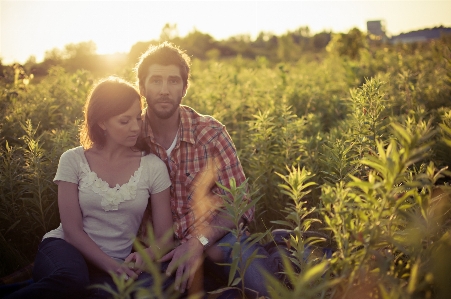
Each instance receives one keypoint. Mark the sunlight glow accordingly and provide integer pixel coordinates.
(34, 27)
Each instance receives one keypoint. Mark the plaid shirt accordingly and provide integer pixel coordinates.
(204, 154)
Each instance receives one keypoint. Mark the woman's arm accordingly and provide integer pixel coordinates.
(162, 220)
(162, 229)
(72, 222)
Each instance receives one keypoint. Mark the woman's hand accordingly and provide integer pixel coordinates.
(126, 269)
(135, 261)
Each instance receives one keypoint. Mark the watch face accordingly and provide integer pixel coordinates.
(203, 240)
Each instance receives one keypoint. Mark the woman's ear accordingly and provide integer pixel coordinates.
(101, 124)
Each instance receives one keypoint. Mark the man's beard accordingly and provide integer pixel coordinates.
(162, 114)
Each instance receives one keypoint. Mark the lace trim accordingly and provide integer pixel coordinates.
(111, 197)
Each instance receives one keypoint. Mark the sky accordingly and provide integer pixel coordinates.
(30, 28)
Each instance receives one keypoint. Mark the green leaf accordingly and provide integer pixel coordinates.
(235, 260)
(413, 277)
(314, 272)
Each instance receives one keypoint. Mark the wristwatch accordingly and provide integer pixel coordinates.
(203, 240)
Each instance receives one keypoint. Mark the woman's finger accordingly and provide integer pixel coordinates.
(130, 257)
(131, 273)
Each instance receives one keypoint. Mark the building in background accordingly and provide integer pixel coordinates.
(376, 31)
(422, 35)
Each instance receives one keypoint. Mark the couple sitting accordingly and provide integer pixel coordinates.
(131, 161)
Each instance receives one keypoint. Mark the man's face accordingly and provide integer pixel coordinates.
(163, 89)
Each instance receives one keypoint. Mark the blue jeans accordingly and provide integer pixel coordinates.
(253, 277)
(60, 271)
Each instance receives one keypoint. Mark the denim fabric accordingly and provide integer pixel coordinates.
(216, 276)
(60, 271)
(254, 278)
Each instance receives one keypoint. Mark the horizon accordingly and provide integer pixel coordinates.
(115, 26)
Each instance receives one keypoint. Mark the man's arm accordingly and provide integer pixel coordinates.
(211, 222)
(217, 229)
(192, 251)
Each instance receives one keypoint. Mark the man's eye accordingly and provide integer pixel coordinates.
(124, 122)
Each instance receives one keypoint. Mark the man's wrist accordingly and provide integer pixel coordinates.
(203, 240)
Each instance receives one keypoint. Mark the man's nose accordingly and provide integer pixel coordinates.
(164, 88)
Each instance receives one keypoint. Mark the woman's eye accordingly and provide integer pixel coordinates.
(124, 122)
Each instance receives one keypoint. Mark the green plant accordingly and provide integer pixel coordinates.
(371, 219)
(304, 269)
(236, 203)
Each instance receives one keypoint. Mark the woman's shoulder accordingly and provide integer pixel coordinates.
(74, 153)
(69, 165)
(151, 161)
(152, 158)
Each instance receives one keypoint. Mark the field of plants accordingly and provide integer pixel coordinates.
(352, 148)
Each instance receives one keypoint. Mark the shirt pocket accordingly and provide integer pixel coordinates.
(199, 178)
(187, 176)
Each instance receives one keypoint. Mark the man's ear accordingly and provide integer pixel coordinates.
(185, 89)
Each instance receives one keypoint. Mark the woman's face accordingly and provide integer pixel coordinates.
(123, 129)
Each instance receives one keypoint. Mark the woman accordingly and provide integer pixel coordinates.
(103, 190)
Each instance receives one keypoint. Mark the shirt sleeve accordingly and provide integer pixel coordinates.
(229, 166)
(67, 168)
(159, 175)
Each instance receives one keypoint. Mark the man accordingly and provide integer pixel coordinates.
(193, 146)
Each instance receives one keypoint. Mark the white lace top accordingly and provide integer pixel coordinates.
(111, 216)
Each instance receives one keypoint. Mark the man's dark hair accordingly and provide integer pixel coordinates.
(165, 54)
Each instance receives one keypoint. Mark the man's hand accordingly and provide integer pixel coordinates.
(188, 257)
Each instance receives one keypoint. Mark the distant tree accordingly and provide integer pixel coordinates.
(30, 63)
(320, 40)
(54, 55)
(266, 45)
(301, 37)
(261, 40)
(80, 50)
(241, 44)
(81, 56)
(2, 70)
(137, 50)
(349, 44)
(169, 32)
(287, 50)
(197, 43)
(225, 49)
